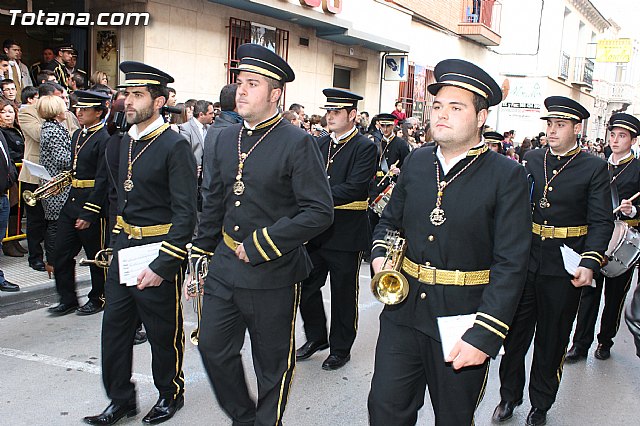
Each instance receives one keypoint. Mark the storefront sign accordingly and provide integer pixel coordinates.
(614, 50)
(331, 7)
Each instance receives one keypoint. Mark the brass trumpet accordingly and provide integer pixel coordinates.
(196, 271)
(101, 260)
(389, 286)
(55, 186)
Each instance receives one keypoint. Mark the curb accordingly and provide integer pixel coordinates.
(38, 291)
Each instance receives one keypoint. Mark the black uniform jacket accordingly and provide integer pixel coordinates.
(579, 195)
(349, 172)
(487, 227)
(394, 152)
(164, 192)
(89, 203)
(60, 71)
(286, 202)
(626, 176)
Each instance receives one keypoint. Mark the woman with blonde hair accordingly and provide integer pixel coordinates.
(99, 77)
(55, 156)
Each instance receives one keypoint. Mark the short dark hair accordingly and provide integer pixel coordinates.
(201, 106)
(8, 43)
(28, 92)
(44, 75)
(6, 82)
(190, 103)
(157, 90)
(323, 121)
(171, 90)
(294, 107)
(228, 97)
(4, 57)
(46, 89)
(480, 103)
(397, 102)
(78, 79)
(365, 113)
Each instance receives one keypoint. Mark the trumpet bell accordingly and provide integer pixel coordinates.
(390, 287)
(29, 198)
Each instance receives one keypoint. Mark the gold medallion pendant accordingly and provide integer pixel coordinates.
(238, 187)
(128, 185)
(437, 216)
(544, 203)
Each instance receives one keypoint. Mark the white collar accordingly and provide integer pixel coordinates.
(610, 160)
(455, 160)
(133, 131)
(339, 138)
(249, 127)
(564, 153)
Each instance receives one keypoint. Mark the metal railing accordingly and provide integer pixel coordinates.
(485, 12)
(563, 70)
(583, 71)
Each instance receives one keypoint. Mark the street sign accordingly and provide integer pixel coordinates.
(396, 67)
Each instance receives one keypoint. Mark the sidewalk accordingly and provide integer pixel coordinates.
(33, 284)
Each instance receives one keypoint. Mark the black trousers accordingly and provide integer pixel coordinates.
(36, 226)
(270, 317)
(344, 268)
(406, 362)
(615, 291)
(548, 307)
(69, 241)
(160, 310)
(373, 222)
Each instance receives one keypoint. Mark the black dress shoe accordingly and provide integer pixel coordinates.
(333, 362)
(574, 355)
(536, 417)
(7, 286)
(310, 348)
(38, 265)
(504, 410)
(63, 308)
(90, 308)
(113, 413)
(163, 410)
(602, 352)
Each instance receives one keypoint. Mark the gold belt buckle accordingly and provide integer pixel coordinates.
(135, 232)
(549, 231)
(429, 270)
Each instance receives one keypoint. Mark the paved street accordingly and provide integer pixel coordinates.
(51, 373)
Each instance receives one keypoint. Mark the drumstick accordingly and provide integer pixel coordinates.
(617, 209)
(385, 176)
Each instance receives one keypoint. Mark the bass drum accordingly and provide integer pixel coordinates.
(623, 251)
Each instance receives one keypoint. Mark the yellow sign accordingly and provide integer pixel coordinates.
(618, 50)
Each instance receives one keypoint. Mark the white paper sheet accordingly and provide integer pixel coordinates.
(571, 261)
(451, 330)
(36, 170)
(133, 260)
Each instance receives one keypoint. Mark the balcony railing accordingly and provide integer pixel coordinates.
(583, 72)
(481, 21)
(563, 71)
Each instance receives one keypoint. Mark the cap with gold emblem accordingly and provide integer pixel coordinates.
(463, 74)
(260, 60)
(385, 119)
(563, 107)
(626, 121)
(339, 99)
(65, 48)
(139, 74)
(493, 137)
(90, 99)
